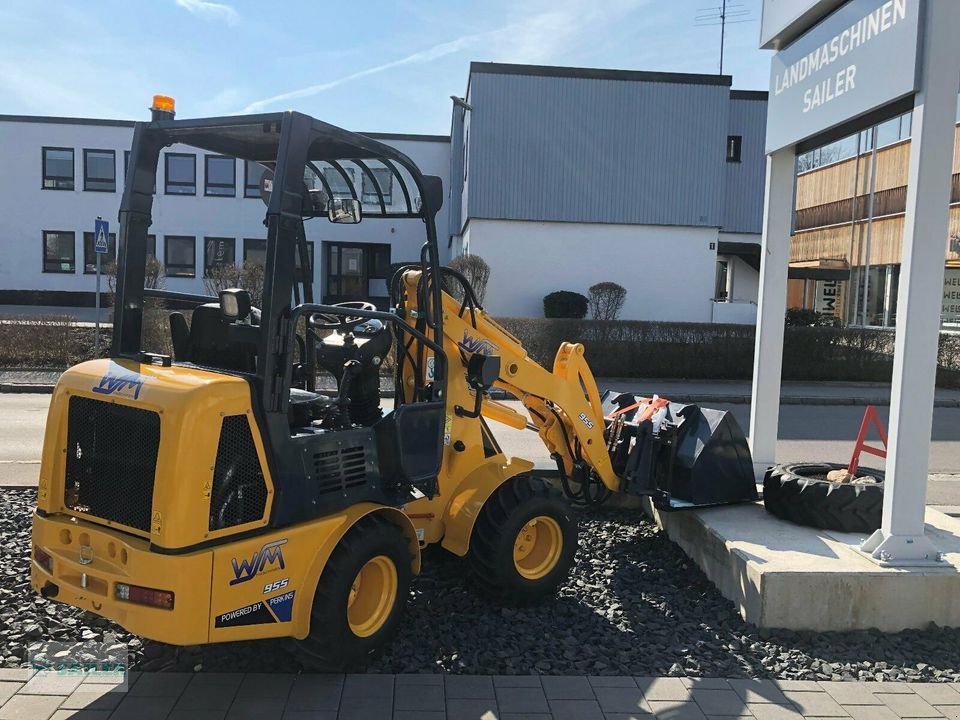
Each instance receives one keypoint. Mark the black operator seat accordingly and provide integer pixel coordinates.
(208, 340)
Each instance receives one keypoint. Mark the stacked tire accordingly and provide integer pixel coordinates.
(795, 492)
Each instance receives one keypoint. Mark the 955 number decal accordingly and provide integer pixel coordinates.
(274, 586)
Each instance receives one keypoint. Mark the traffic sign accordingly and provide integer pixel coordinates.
(101, 232)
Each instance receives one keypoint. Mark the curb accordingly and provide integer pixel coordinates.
(26, 388)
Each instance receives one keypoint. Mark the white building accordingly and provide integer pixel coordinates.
(60, 174)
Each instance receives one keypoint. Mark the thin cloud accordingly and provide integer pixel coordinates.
(211, 10)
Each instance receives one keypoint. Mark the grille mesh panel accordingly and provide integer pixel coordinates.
(340, 469)
(239, 489)
(111, 461)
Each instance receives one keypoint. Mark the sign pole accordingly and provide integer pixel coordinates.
(901, 539)
(101, 245)
(96, 337)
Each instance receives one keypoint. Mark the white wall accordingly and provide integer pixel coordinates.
(669, 272)
(26, 209)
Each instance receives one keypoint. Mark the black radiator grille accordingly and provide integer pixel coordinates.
(340, 469)
(111, 461)
(239, 489)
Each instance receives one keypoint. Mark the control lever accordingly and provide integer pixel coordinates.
(351, 369)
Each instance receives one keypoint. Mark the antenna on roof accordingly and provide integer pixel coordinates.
(723, 15)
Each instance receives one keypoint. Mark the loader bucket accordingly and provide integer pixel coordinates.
(683, 456)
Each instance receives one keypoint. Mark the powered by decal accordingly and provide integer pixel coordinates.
(126, 385)
(479, 346)
(254, 614)
(282, 606)
(269, 555)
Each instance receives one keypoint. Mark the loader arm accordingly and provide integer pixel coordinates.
(563, 404)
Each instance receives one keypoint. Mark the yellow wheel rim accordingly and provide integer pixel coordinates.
(537, 548)
(372, 596)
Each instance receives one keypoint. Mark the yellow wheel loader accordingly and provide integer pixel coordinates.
(215, 495)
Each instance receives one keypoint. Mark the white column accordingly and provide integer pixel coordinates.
(901, 539)
(771, 308)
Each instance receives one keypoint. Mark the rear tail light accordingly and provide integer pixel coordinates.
(43, 559)
(145, 596)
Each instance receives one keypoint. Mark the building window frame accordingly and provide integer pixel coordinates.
(208, 262)
(211, 189)
(248, 248)
(51, 263)
(368, 193)
(86, 174)
(251, 191)
(334, 277)
(57, 179)
(184, 271)
(734, 148)
(168, 183)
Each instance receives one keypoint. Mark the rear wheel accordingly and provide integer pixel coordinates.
(360, 597)
(524, 541)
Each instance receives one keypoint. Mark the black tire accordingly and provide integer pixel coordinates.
(491, 556)
(332, 644)
(791, 494)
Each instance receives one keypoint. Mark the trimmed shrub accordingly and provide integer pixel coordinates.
(606, 300)
(565, 304)
(475, 269)
(247, 275)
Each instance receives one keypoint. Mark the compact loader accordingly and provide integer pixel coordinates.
(215, 495)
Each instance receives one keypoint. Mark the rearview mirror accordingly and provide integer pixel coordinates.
(344, 211)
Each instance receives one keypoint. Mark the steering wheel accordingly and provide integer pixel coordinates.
(344, 323)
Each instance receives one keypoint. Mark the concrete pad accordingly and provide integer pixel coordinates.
(782, 575)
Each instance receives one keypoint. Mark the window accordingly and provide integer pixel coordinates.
(356, 271)
(339, 186)
(255, 251)
(126, 170)
(90, 255)
(252, 171)
(299, 271)
(58, 169)
(59, 254)
(218, 251)
(720, 291)
(151, 247)
(733, 148)
(220, 176)
(180, 255)
(100, 170)
(180, 170)
(384, 180)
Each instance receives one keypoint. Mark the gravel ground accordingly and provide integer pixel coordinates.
(634, 605)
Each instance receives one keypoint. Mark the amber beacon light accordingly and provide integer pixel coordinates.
(163, 107)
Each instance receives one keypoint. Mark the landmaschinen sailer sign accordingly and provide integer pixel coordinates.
(859, 58)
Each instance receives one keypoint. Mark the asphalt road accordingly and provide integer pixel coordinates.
(807, 432)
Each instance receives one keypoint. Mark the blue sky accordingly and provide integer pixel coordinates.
(377, 65)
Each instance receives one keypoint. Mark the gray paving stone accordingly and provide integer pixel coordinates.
(418, 679)
(800, 685)
(91, 698)
(706, 683)
(80, 715)
(522, 699)
(909, 706)
(851, 693)
(16, 674)
(471, 709)
(676, 710)
(663, 689)
(466, 687)
(937, 693)
(7, 689)
(203, 696)
(575, 710)
(218, 678)
(355, 708)
(251, 708)
(719, 702)
(611, 681)
(759, 691)
(621, 700)
(815, 703)
(315, 692)
(406, 715)
(51, 684)
(200, 715)
(311, 715)
(771, 711)
(870, 712)
(419, 697)
(520, 716)
(143, 708)
(628, 716)
(901, 688)
(166, 685)
(516, 681)
(368, 686)
(572, 687)
(952, 712)
(262, 685)
(30, 707)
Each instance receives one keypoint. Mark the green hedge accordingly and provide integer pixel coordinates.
(626, 348)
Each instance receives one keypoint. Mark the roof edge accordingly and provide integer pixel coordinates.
(415, 137)
(598, 74)
(749, 95)
(56, 120)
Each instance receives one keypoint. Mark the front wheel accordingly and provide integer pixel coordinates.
(360, 597)
(524, 541)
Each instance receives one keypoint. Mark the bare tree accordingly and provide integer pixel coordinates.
(248, 275)
(475, 269)
(606, 300)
